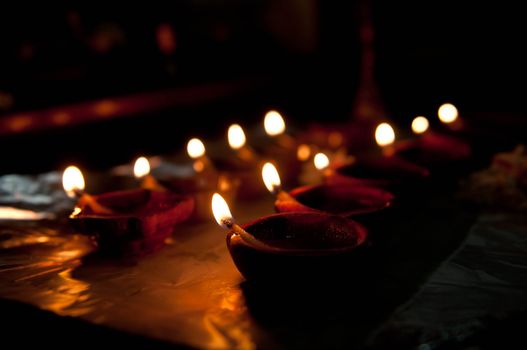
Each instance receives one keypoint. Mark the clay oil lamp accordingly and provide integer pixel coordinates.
(202, 164)
(314, 172)
(142, 174)
(241, 165)
(344, 200)
(238, 143)
(386, 170)
(126, 177)
(281, 147)
(200, 181)
(290, 247)
(274, 126)
(448, 114)
(128, 223)
(432, 149)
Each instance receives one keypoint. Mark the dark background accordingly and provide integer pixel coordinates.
(300, 56)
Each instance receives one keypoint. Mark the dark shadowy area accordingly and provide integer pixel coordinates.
(302, 57)
(28, 326)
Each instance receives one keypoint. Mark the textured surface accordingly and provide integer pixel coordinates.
(191, 294)
(484, 281)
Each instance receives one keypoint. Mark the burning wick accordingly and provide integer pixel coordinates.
(196, 151)
(271, 179)
(142, 173)
(223, 216)
(238, 142)
(385, 137)
(73, 183)
(274, 126)
(420, 125)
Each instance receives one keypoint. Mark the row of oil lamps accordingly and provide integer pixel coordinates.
(314, 229)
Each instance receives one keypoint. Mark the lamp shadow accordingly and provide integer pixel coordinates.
(408, 243)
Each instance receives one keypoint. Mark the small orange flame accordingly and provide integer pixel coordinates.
(141, 167)
(420, 125)
(384, 134)
(321, 161)
(195, 148)
(236, 136)
(274, 123)
(72, 181)
(220, 210)
(303, 152)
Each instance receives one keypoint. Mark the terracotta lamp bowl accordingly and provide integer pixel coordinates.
(378, 172)
(343, 200)
(140, 222)
(434, 149)
(246, 173)
(300, 246)
(201, 189)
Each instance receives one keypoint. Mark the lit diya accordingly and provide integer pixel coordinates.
(344, 200)
(125, 223)
(431, 148)
(281, 147)
(385, 170)
(274, 126)
(201, 181)
(448, 114)
(142, 174)
(292, 246)
(242, 165)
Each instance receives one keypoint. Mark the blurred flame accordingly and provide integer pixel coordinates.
(76, 211)
(447, 113)
(274, 124)
(105, 108)
(335, 139)
(303, 152)
(271, 178)
(321, 161)
(141, 167)
(72, 181)
(384, 134)
(236, 136)
(220, 210)
(224, 184)
(166, 38)
(198, 166)
(195, 148)
(420, 125)
(20, 122)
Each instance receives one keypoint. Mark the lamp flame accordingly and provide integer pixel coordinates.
(274, 124)
(195, 148)
(220, 210)
(384, 134)
(420, 125)
(271, 178)
(447, 113)
(303, 152)
(321, 161)
(72, 181)
(236, 136)
(141, 167)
